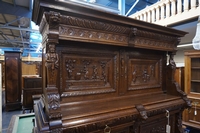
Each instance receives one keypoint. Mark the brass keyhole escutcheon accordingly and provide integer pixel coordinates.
(107, 129)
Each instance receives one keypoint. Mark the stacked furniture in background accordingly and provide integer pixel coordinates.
(106, 73)
(32, 86)
(191, 117)
(13, 80)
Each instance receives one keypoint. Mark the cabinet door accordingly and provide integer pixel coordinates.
(13, 80)
(88, 72)
(140, 72)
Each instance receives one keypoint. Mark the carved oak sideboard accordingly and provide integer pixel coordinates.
(105, 73)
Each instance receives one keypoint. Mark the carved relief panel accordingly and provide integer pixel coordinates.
(144, 71)
(158, 125)
(86, 73)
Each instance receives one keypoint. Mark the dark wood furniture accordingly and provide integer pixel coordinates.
(192, 88)
(32, 86)
(32, 82)
(105, 73)
(13, 80)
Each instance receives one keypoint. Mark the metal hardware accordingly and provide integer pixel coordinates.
(107, 129)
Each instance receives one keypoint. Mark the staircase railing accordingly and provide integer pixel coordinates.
(167, 12)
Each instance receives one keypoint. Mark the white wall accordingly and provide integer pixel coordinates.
(179, 58)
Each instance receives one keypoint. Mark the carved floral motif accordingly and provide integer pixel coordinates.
(87, 70)
(90, 24)
(53, 100)
(157, 129)
(55, 115)
(92, 35)
(103, 65)
(70, 67)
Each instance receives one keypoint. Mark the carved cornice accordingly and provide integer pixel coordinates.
(92, 35)
(83, 29)
(141, 38)
(96, 25)
(44, 26)
(152, 35)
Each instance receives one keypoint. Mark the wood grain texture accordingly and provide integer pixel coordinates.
(103, 72)
(13, 80)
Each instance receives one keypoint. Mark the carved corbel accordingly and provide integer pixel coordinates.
(171, 66)
(172, 86)
(132, 35)
(53, 19)
(141, 118)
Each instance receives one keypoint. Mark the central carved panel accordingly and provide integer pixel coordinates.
(86, 73)
(143, 74)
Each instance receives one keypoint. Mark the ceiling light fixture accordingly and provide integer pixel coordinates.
(196, 39)
(185, 45)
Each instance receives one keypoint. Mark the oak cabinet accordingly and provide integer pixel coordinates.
(192, 87)
(13, 80)
(103, 72)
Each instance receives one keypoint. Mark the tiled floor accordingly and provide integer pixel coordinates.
(6, 117)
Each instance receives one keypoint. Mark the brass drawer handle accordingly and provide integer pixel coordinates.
(107, 129)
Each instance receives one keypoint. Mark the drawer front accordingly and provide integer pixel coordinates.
(158, 125)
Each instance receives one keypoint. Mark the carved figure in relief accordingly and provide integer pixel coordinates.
(52, 58)
(171, 62)
(51, 64)
(95, 73)
(152, 70)
(145, 76)
(142, 74)
(134, 75)
(85, 69)
(54, 19)
(70, 68)
(103, 65)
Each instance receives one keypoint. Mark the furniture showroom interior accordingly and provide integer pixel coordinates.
(100, 66)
